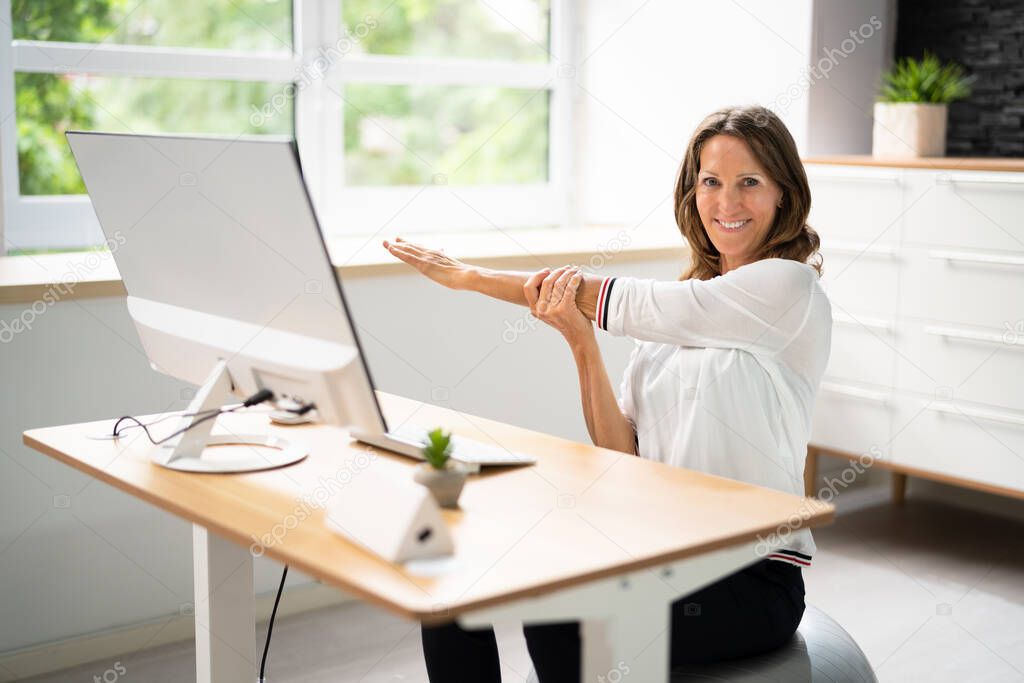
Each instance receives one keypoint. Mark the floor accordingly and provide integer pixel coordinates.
(931, 592)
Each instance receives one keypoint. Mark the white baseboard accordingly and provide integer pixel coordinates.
(108, 644)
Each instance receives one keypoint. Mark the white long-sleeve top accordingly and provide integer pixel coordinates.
(725, 372)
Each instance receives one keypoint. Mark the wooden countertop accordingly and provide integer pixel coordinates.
(937, 163)
(581, 513)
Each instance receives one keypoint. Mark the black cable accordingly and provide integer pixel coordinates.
(145, 428)
(270, 626)
(157, 421)
(260, 396)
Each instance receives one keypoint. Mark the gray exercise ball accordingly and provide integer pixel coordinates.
(821, 651)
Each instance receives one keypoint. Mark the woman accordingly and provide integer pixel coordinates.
(722, 379)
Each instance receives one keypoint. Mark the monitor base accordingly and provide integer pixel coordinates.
(235, 453)
(197, 450)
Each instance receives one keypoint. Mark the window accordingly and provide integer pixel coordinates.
(410, 114)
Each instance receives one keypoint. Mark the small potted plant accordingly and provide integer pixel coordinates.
(913, 108)
(442, 475)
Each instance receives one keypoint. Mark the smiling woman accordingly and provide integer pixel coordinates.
(742, 194)
(723, 377)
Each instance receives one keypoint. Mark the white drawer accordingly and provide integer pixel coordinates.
(863, 350)
(969, 209)
(852, 203)
(959, 362)
(861, 278)
(970, 287)
(852, 418)
(961, 440)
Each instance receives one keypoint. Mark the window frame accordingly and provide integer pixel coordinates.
(67, 221)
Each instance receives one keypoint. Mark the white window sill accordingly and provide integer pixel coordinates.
(90, 275)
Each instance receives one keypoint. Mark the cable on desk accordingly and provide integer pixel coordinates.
(270, 627)
(260, 396)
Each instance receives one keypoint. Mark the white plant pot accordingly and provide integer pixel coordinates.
(445, 485)
(909, 129)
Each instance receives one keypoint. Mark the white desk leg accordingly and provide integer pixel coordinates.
(634, 643)
(225, 616)
(625, 620)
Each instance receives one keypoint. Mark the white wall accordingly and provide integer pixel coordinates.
(840, 100)
(110, 560)
(651, 71)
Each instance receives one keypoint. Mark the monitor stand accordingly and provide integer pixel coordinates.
(196, 450)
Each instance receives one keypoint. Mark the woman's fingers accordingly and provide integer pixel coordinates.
(531, 286)
(410, 246)
(548, 284)
(571, 287)
(401, 252)
(411, 251)
(558, 290)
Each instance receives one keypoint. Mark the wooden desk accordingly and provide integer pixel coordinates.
(581, 535)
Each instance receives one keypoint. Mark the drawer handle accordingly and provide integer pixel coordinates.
(968, 257)
(990, 415)
(967, 179)
(971, 335)
(859, 248)
(855, 392)
(873, 323)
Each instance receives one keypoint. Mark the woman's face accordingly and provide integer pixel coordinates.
(736, 200)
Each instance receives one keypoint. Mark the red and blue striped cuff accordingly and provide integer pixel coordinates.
(791, 556)
(603, 299)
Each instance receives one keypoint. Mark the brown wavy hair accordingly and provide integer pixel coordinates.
(768, 138)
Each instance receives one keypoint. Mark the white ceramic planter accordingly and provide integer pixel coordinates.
(908, 129)
(446, 485)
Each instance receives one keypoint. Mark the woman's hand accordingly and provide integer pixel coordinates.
(551, 296)
(433, 263)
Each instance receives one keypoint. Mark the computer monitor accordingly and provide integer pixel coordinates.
(229, 282)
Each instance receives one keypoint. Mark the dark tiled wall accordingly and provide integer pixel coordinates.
(987, 37)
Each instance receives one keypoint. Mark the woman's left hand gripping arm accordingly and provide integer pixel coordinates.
(552, 299)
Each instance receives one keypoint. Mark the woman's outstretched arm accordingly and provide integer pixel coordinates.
(506, 285)
(564, 298)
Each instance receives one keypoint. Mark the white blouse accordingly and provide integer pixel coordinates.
(725, 372)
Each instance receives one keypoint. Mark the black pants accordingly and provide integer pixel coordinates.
(753, 611)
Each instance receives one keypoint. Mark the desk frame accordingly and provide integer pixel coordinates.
(625, 620)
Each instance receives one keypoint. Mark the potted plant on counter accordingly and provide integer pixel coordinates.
(442, 475)
(911, 112)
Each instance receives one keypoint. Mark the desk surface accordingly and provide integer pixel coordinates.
(581, 513)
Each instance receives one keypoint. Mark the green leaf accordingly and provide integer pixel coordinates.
(437, 448)
(925, 80)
